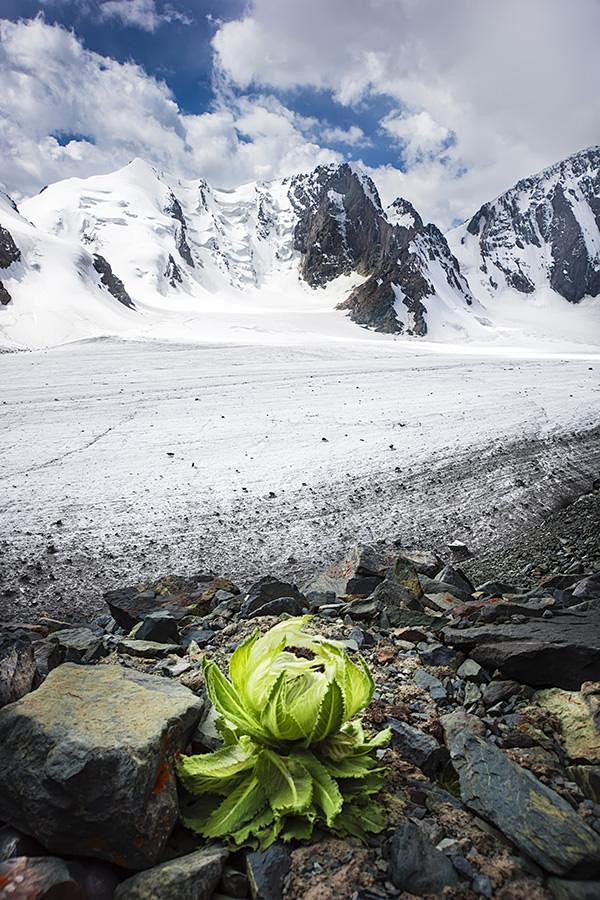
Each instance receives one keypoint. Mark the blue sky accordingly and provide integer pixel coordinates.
(446, 104)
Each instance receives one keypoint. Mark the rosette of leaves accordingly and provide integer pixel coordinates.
(294, 756)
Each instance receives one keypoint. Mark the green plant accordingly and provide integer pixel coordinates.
(293, 755)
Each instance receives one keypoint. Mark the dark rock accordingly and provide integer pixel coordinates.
(425, 562)
(363, 585)
(83, 645)
(86, 761)
(534, 817)
(588, 780)
(588, 588)
(266, 590)
(159, 626)
(563, 889)
(459, 551)
(234, 883)
(267, 870)
(38, 878)
(482, 886)
(405, 575)
(200, 636)
(9, 252)
(420, 749)
(48, 655)
(416, 865)
(148, 649)
(291, 606)
(111, 282)
(98, 880)
(438, 655)
(433, 586)
(191, 877)
(17, 667)
(361, 560)
(560, 652)
(14, 843)
(429, 682)
(129, 605)
(497, 691)
(455, 578)
(495, 589)
(5, 297)
(472, 671)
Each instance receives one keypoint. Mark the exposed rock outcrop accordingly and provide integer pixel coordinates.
(111, 282)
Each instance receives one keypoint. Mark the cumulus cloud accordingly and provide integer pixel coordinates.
(511, 82)
(141, 13)
(67, 111)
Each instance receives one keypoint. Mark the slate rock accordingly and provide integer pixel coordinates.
(147, 649)
(191, 877)
(159, 626)
(48, 655)
(432, 587)
(363, 585)
(497, 691)
(438, 655)
(84, 645)
(588, 780)
(406, 575)
(560, 652)
(588, 588)
(200, 636)
(265, 591)
(425, 562)
(455, 578)
(564, 889)
(267, 870)
(86, 761)
(579, 736)
(416, 865)
(531, 815)
(419, 748)
(291, 606)
(495, 589)
(234, 883)
(128, 606)
(426, 680)
(17, 667)
(472, 671)
(38, 878)
(361, 560)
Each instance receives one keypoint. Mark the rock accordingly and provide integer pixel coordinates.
(48, 655)
(82, 645)
(13, 843)
(495, 589)
(560, 652)
(38, 878)
(234, 883)
(432, 587)
(200, 636)
(267, 870)
(148, 649)
(265, 591)
(437, 655)
(455, 578)
(457, 721)
(291, 606)
(482, 886)
(459, 551)
(191, 877)
(420, 749)
(497, 691)
(472, 671)
(405, 574)
(535, 818)
(17, 667)
(159, 626)
(98, 880)
(441, 601)
(579, 736)
(86, 761)
(360, 561)
(177, 595)
(588, 588)
(574, 890)
(429, 682)
(588, 780)
(363, 585)
(416, 865)
(425, 562)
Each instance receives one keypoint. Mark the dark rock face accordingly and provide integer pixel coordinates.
(5, 297)
(531, 815)
(9, 252)
(110, 281)
(342, 228)
(264, 594)
(267, 870)
(191, 877)
(176, 212)
(92, 740)
(17, 667)
(416, 865)
(563, 651)
(173, 272)
(544, 213)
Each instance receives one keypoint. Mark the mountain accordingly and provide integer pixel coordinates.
(544, 233)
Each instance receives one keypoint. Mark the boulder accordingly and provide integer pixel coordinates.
(84, 645)
(406, 575)
(563, 651)
(191, 877)
(433, 586)
(360, 561)
(535, 818)
(563, 889)
(455, 578)
(416, 865)
(579, 736)
(148, 649)
(38, 878)
(86, 761)
(291, 606)
(363, 585)
(159, 626)
(14, 843)
(267, 870)
(425, 562)
(419, 748)
(265, 591)
(17, 667)
(176, 595)
(588, 588)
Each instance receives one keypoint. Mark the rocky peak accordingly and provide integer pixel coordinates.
(402, 214)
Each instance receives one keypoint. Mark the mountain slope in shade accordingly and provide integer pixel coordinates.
(544, 233)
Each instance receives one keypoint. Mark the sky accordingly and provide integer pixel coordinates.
(444, 103)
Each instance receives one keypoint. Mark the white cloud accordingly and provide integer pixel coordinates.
(140, 13)
(352, 136)
(513, 81)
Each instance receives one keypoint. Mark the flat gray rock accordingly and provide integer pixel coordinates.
(86, 761)
(191, 877)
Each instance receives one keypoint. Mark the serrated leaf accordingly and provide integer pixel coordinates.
(330, 715)
(297, 828)
(247, 833)
(267, 836)
(276, 718)
(227, 702)
(242, 805)
(358, 686)
(352, 767)
(287, 782)
(197, 772)
(326, 794)
(362, 787)
(196, 811)
(372, 817)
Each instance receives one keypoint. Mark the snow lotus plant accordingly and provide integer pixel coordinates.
(293, 755)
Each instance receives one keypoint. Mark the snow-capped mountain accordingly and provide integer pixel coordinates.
(138, 253)
(544, 233)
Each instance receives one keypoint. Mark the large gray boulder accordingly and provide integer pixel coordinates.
(191, 877)
(86, 761)
(535, 818)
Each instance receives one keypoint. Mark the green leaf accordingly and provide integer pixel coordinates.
(205, 770)
(362, 787)
(330, 715)
(326, 793)
(372, 816)
(287, 782)
(260, 821)
(276, 718)
(352, 767)
(226, 701)
(196, 812)
(358, 686)
(245, 802)
(297, 828)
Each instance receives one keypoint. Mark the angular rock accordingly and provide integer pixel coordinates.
(267, 870)
(191, 877)
(177, 595)
(437, 655)
(17, 667)
(363, 585)
(265, 591)
(588, 779)
(579, 736)
(159, 626)
(588, 588)
(496, 691)
(560, 652)
(416, 865)
(495, 589)
(425, 562)
(432, 587)
(419, 748)
(535, 818)
(361, 560)
(86, 761)
(291, 606)
(425, 680)
(148, 649)
(200, 636)
(456, 578)
(14, 843)
(457, 721)
(563, 889)
(472, 671)
(405, 575)
(83, 645)
(38, 878)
